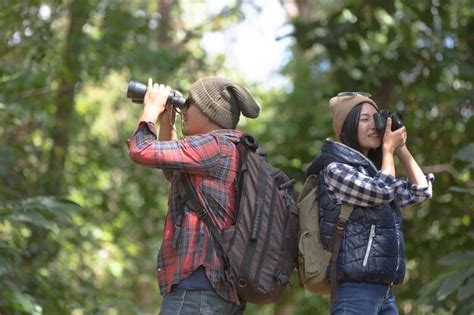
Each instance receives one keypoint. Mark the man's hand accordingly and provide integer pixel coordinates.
(154, 101)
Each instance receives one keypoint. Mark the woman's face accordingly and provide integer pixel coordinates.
(369, 138)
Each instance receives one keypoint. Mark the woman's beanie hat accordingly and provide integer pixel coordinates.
(222, 101)
(341, 106)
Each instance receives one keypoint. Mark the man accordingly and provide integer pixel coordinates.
(190, 265)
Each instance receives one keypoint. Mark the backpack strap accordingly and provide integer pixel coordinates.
(346, 211)
(190, 197)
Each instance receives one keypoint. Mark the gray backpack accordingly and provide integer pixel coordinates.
(313, 259)
(260, 249)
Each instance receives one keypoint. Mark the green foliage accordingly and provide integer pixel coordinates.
(81, 237)
(21, 255)
(64, 68)
(413, 57)
(453, 289)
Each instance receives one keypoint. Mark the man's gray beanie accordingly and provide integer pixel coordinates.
(222, 101)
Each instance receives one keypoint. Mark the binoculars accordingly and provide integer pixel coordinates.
(136, 91)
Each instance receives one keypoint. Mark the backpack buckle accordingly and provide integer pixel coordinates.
(280, 276)
(201, 214)
(249, 141)
(242, 282)
(341, 224)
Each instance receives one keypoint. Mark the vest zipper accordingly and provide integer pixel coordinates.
(369, 245)
(398, 246)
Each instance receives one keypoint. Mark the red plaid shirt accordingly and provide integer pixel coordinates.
(211, 163)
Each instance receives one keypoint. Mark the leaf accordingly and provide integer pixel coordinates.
(429, 289)
(7, 157)
(457, 258)
(453, 281)
(53, 204)
(462, 190)
(27, 303)
(466, 153)
(59, 207)
(467, 290)
(5, 266)
(465, 308)
(34, 218)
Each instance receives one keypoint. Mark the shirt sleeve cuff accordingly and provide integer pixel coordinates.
(142, 127)
(148, 125)
(424, 190)
(387, 179)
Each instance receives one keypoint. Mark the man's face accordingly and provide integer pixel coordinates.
(195, 121)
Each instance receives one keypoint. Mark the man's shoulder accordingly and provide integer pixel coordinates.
(227, 134)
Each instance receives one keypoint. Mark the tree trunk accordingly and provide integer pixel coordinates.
(302, 9)
(144, 289)
(39, 247)
(384, 95)
(165, 24)
(69, 77)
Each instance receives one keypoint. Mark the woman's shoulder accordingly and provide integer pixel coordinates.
(337, 172)
(337, 168)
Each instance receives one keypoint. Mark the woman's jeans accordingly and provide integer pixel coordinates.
(364, 298)
(197, 302)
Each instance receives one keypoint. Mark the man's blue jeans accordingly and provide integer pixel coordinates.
(197, 302)
(364, 298)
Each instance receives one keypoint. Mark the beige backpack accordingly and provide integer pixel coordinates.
(313, 259)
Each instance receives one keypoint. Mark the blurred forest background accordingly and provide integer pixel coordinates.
(80, 225)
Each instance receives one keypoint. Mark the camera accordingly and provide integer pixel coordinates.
(136, 91)
(380, 120)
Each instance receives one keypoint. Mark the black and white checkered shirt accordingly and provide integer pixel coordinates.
(349, 185)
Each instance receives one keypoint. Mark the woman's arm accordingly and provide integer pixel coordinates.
(417, 188)
(348, 185)
(414, 173)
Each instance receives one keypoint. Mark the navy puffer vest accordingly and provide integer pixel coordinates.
(372, 249)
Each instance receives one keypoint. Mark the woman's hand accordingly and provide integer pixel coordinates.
(393, 140)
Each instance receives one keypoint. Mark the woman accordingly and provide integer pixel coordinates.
(360, 171)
